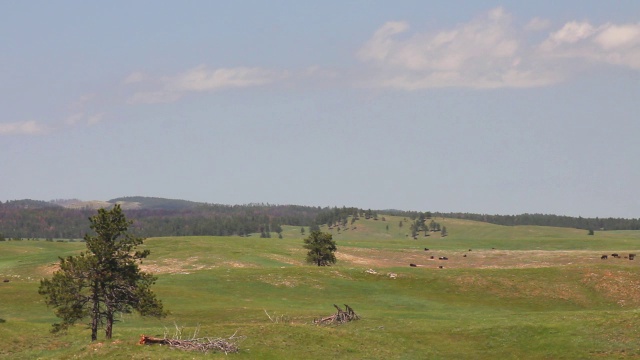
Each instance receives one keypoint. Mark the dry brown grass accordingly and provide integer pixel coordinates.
(480, 259)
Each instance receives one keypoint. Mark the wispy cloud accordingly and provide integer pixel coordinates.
(609, 43)
(22, 128)
(201, 79)
(491, 52)
(134, 77)
(537, 24)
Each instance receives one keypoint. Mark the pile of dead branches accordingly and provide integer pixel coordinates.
(341, 317)
(202, 344)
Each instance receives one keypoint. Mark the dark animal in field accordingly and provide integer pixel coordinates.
(425, 249)
(469, 249)
(413, 265)
(615, 255)
(5, 280)
(440, 267)
(632, 256)
(443, 258)
(465, 255)
(604, 257)
(431, 257)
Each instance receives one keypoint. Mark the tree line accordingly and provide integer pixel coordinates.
(39, 219)
(550, 220)
(220, 220)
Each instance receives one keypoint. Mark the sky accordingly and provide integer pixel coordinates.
(453, 106)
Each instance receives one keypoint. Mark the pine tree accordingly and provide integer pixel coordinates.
(103, 281)
(321, 248)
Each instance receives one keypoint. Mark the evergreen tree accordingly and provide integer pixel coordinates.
(321, 248)
(443, 233)
(103, 281)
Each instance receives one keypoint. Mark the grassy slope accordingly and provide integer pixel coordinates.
(541, 293)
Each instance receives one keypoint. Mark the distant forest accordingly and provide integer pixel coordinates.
(166, 217)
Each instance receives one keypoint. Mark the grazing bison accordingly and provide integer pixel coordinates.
(632, 256)
(465, 255)
(440, 267)
(615, 255)
(604, 257)
(413, 265)
(443, 258)
(431, 257)
(5, 280)
(425, 249)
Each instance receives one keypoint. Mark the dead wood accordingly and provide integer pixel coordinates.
(341, 317)
(204, 344)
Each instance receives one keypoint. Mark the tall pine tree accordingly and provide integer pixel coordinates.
(103, 281)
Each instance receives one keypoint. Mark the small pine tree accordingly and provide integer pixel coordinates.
(321, 248)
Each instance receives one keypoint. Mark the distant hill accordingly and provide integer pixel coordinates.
(153, 216)
(154, 203)
(126, 203)
(29, 204)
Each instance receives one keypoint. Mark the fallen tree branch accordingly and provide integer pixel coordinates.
(341, 317)
(203, 344)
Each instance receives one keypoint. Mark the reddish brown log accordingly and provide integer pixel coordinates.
(148, 340)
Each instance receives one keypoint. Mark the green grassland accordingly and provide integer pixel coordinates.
(505, 293)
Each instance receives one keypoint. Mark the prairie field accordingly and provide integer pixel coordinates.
(521, 292)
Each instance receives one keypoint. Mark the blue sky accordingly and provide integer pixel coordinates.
(485, 107)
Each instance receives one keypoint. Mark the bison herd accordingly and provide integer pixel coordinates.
(617, 256)
(603, 257)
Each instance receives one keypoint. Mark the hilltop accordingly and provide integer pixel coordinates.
(155, 216)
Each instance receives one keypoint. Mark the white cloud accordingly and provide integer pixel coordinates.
(95, 119)
(537, 24)
(484, 53)
(24, 128)
(201, 78)
(82, 118)
(491, 52)
(134, 77)
(154, 97)
(613, 36)
(571, 32)
(609, 44)
(74, 119)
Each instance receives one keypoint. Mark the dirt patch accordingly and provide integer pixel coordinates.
(236, 264)
(174, 266)
(622, 287)
(288, 281)
(285, 259)
(47, 270)
(518, 288)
